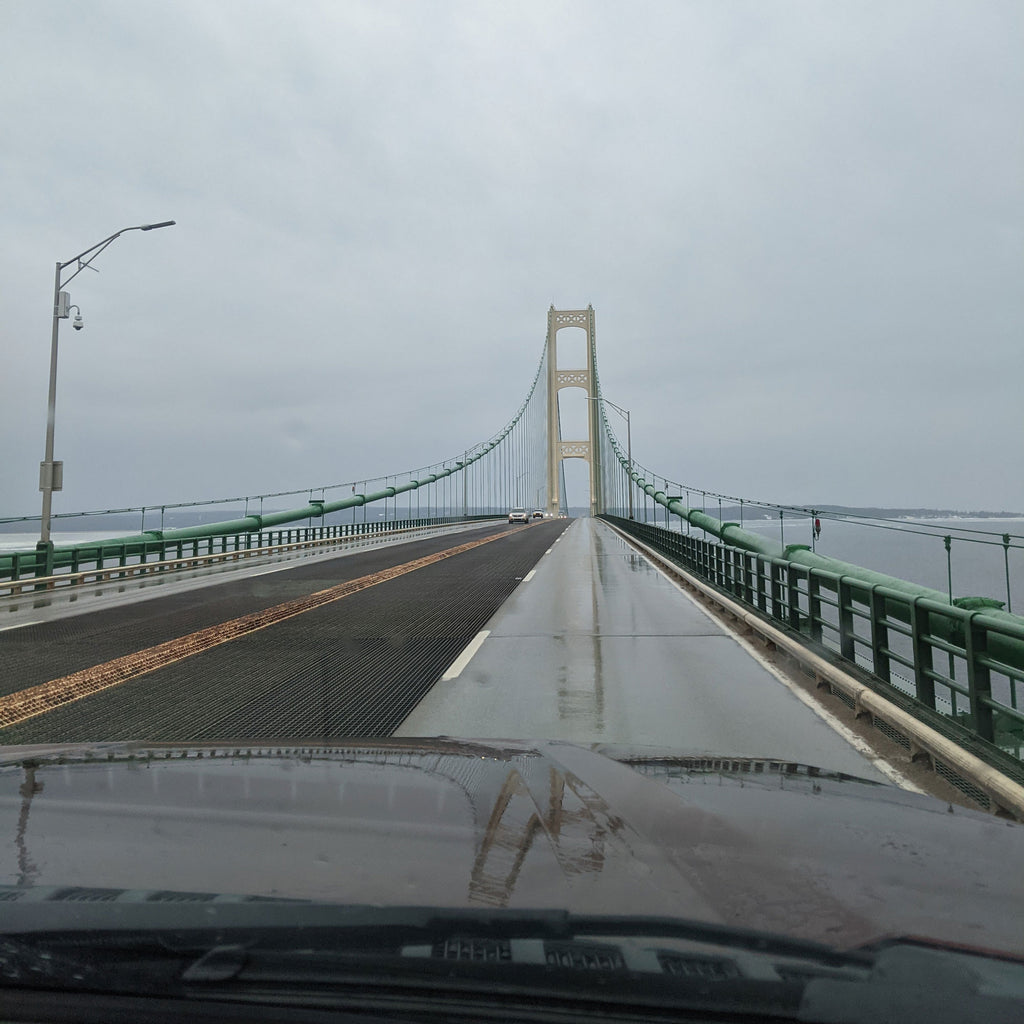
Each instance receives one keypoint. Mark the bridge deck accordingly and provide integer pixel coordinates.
(599, 646)
(595, 645)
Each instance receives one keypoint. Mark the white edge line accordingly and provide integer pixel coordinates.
(457, 666)
(864, 749)
(21, 625)
(529, 576)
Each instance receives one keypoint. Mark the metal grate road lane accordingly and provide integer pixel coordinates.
(354, 666)
(48, 650)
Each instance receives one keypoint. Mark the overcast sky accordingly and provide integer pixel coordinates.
(801, 226)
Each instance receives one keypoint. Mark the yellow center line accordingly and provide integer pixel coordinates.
(37, 700)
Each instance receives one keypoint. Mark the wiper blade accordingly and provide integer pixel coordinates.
(295, 947)
(371, 956)
(201, 927)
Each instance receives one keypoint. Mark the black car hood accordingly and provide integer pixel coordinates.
(748, 842)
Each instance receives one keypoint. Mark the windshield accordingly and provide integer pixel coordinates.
(551, 459)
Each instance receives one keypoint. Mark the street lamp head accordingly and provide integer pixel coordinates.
(153, 227)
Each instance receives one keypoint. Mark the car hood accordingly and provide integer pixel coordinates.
(750, 842)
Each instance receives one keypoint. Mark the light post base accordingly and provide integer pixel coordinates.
(44, 558)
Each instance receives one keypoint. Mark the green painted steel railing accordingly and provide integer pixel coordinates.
(125, 551)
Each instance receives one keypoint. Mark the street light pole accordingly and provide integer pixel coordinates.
(51, 473)
(46, 470)
(629, 446)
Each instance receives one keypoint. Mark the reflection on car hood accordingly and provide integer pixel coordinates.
(760, 844)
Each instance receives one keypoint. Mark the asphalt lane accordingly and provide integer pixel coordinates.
(351, 668)
(599, 646)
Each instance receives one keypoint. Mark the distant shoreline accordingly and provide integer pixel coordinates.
(918, 513)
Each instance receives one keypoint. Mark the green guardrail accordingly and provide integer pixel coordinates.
(46, 559)
(181, 544)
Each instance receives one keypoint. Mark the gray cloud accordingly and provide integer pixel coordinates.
(800, 225)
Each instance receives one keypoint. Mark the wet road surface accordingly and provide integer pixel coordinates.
(598, 646)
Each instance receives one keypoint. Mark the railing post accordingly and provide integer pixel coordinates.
(979, 678)
(879, 637)
(793, 596)
(814, 605)
(924, 684)
(776, 587)
(847, 648)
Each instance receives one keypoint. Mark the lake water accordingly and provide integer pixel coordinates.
(899, 549)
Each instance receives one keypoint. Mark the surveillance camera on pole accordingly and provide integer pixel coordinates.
(78, 323)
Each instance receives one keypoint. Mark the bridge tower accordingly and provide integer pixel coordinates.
(583, 377)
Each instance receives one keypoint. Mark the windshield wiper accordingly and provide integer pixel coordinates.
(337, 928)
(372, 954)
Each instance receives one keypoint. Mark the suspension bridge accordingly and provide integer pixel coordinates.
(410, 605)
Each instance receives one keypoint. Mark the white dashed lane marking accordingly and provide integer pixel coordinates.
(460, 663)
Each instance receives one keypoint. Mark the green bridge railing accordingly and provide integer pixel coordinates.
(97, 555)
